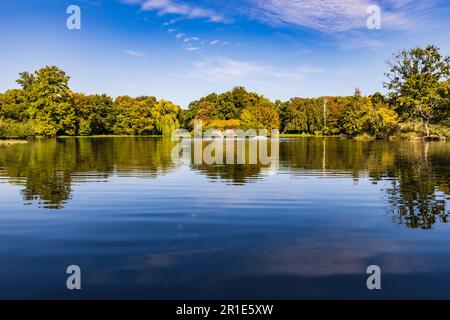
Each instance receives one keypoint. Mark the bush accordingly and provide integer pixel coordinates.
(381, 123)
(222, 124)
(13, 129)
(441, 131)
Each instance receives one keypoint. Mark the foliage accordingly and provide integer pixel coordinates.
(48, 100)
(225, 106)
(414, 80)
(260, 117)
(13, 106)
(165, 115)
(133, 116)
(13, 129)
(381, 123)
(352, 122)
(222, 124)
(93, 114)
(47, 106)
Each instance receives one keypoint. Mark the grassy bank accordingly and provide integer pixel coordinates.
(305, 135)
(12, 142)
(110, 136)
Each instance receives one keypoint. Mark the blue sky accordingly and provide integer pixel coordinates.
(182, 50)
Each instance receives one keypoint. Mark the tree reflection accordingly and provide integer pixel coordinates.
(418, 196)
(416, 175)
(47, 168)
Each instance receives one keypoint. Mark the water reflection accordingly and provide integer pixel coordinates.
(417, 175)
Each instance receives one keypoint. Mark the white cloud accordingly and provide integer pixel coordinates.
(338, 15)
(191, 48)
(322, 15)
(227, 70)
(216, 42)
(135, 53)
(190, 39)
(164, 7)
(171, 22)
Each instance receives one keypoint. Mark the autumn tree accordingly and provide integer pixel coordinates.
(263, 116)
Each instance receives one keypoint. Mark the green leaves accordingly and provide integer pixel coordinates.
(48, 100)
(415, 78)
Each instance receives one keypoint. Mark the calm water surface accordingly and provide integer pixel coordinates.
(141, 226)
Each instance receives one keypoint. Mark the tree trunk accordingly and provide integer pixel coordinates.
(427, 128)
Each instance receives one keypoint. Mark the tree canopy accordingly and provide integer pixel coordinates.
(415, 82)
(45, 106)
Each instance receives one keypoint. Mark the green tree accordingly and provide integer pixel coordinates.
(414, 79)
(226, 106)
(205, 110)
(444, 107)
(165, 115)
(93, 113)
(352, 122)
(13, 105)
(48, 101)
(381, 122)
(260, 117)
(293, 118)
(133, 116)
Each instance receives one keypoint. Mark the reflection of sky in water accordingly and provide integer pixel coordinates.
(184, 232)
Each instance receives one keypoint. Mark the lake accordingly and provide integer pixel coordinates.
(140, 225)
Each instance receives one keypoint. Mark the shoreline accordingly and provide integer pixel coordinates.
(10, 142)
(13, 141)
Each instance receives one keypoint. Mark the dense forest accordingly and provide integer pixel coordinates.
(417, 104)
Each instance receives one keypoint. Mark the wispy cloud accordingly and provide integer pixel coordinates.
(217, 42)
(190, 39)
(228, 70)
(180, 8)
(135, 53)
(191, 48)
(326, 16)
(338, 15)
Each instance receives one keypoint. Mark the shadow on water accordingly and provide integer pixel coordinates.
(417, 173)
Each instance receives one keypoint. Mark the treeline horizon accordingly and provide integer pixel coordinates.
(417, 104)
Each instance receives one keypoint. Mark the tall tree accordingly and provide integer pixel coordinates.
(48, 97)
(415, 77)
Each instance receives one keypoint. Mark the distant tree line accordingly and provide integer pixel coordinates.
(418, 101)
(45, 106)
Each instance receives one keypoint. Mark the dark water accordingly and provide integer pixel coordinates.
(141, 226)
